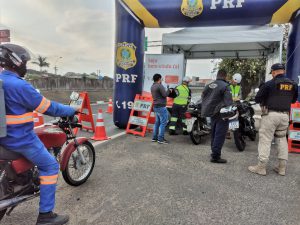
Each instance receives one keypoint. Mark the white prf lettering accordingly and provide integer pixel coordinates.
(228, 4)
(214, 4)
(239, 3)
(133, 78)
(126, 78)
(118, 77)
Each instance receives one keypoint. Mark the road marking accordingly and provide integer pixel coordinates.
(111, 138)
(104, 103)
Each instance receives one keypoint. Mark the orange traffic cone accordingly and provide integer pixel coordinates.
(110, 106)
(100, 134)
(38, 119)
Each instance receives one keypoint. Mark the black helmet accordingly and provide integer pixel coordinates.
(14, 57)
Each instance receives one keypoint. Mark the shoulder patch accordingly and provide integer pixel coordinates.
(213, 85)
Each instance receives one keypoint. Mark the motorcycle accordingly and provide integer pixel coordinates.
(242, 123)
(19, 178)
(197, 125)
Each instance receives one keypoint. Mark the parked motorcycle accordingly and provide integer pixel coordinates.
(19, 178)
(197, 125)
(241, 122)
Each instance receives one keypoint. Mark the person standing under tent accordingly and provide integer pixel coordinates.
(181, 102)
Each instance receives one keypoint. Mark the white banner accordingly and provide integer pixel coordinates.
(170, 66)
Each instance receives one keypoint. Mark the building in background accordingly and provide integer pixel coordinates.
(197, 82)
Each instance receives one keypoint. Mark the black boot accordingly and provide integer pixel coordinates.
(172, 132)
(219, 160)
(51, 219)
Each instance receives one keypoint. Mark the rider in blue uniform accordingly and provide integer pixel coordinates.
(21, 99)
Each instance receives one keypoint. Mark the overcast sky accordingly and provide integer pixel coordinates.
(81, 32)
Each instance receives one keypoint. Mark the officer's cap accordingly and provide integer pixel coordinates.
(277, 66)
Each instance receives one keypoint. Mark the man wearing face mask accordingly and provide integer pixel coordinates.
(275, 97)
(21, 99)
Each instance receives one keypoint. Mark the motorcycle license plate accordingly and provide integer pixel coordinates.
(233, 125)
(189, 124)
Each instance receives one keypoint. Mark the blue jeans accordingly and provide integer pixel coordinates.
(219, 128)
(161, 119)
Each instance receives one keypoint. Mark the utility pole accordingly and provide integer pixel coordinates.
(55, 70)
(55, 67)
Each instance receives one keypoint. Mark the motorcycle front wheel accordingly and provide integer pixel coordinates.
(77, 172)
(239, 140)
(195, 136)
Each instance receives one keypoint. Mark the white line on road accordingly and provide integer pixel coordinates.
(103, 103)
(111, 138)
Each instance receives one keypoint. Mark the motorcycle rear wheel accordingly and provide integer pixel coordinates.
(196, 138)
(70, 174)
(239, 140)
(2, 213)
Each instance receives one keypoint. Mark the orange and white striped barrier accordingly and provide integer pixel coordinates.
(38, 119)
(100, 133)
(110, 107)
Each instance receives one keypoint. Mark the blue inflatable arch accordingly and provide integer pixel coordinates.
(132, 16)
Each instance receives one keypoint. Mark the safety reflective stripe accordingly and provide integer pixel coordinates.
(48, 180)
(172, 128)
(19, 119)
(44, 105)
(174, 119)
(100, 124)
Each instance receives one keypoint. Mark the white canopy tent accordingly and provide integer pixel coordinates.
(226, 42)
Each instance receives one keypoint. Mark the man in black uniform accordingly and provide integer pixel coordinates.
(214, 97)
(275, 98)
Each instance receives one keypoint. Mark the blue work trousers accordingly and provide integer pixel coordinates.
(219, 128)
(161, 120)
(48, 170)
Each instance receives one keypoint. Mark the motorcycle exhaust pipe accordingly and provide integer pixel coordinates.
(4, 204)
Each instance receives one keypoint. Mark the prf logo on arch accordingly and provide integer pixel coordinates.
(191, 8)
(126, 57)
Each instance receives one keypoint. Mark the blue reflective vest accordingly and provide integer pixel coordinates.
(21, 99)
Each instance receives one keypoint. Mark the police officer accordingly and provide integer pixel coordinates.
(183, 97)
(275, 97)
(214, 97)
(21, 99)
(235, 87)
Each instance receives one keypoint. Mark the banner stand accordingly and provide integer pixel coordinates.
(140, 115)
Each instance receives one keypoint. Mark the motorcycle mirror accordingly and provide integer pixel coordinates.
(74, 96)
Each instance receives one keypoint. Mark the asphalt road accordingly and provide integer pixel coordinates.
(136, 182)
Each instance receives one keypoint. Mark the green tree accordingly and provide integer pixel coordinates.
(252, 70)
(41, 62)
(285, 42)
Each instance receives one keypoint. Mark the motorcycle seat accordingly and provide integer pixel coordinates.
(9, 155)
